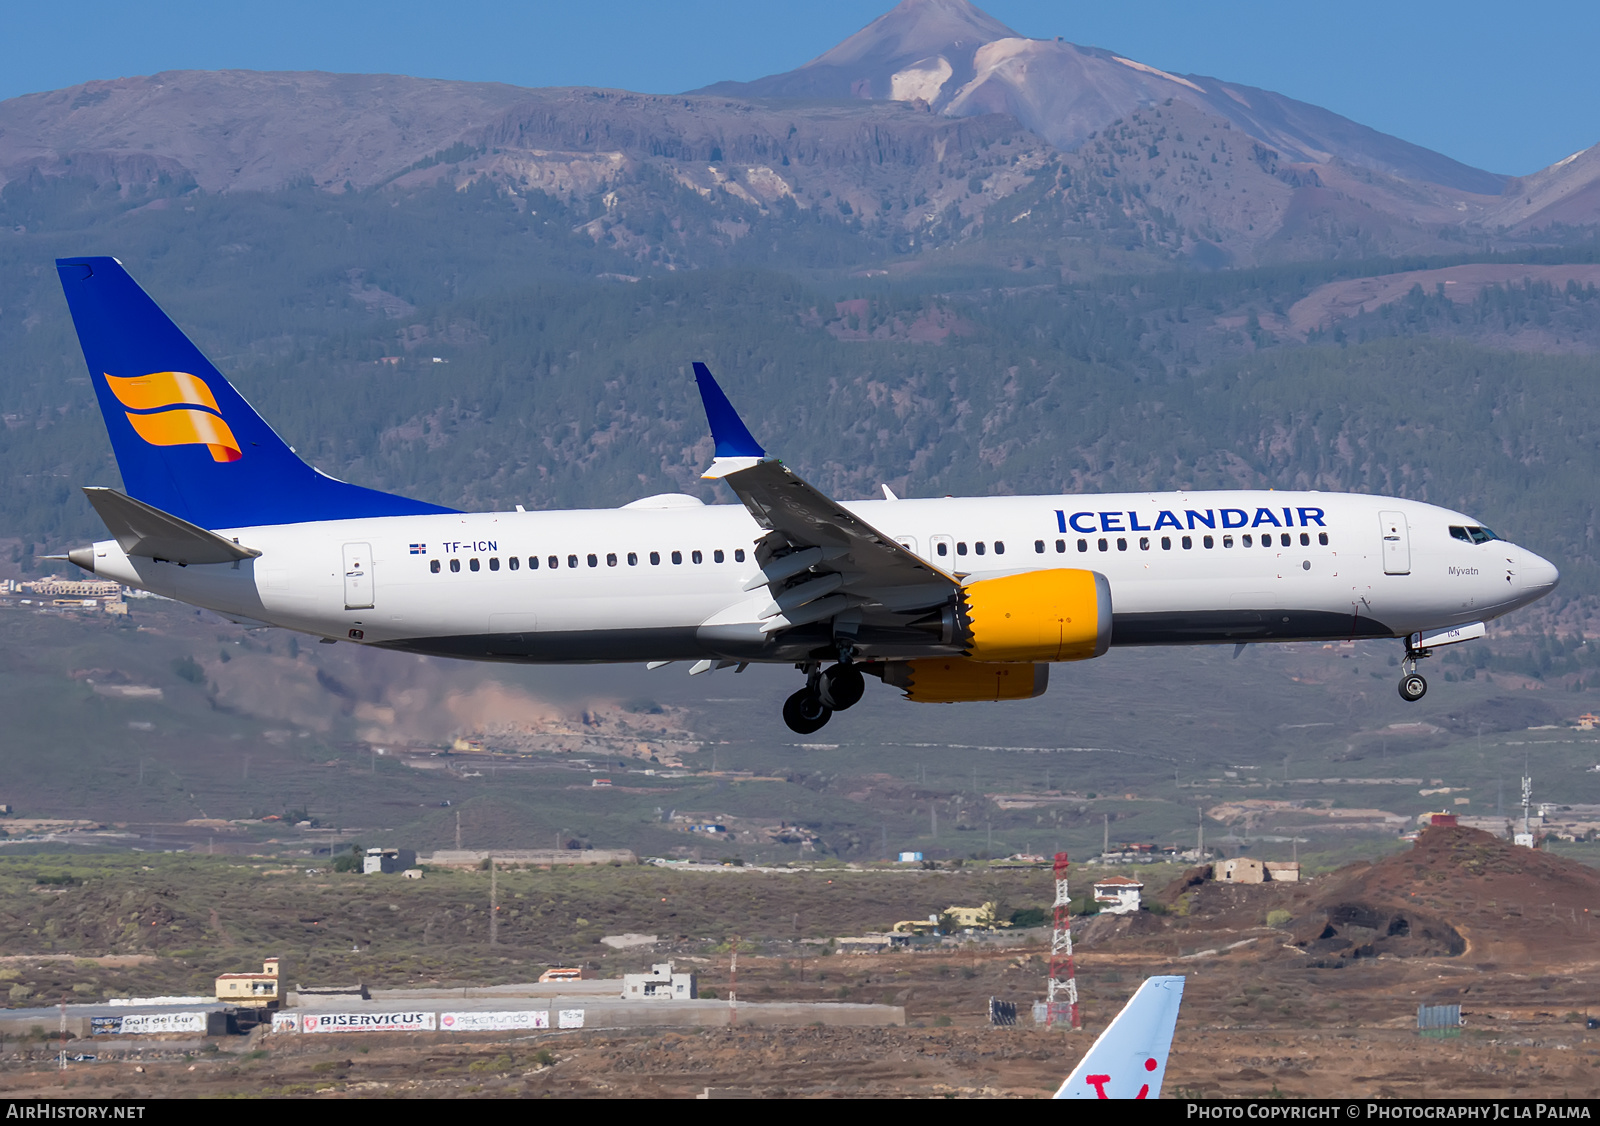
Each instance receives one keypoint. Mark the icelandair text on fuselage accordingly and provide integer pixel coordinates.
(1483, 1112)
(1090, 522)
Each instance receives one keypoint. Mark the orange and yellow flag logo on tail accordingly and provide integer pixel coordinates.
(193, 420)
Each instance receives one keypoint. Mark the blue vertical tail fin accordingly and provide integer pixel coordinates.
(185, 440)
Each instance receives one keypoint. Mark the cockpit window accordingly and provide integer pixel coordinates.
(1472, 534)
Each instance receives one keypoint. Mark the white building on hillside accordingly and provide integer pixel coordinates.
(660, 984)
(1117, 895)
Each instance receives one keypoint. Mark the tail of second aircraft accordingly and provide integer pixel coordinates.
(1129, 1060)
(187, 443)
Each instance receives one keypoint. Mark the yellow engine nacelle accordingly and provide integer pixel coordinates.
(1056, 615)
(955, 680)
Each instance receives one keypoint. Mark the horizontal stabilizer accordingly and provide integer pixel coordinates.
(147, 532)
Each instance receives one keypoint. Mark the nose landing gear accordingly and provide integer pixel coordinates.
(841, 687)
(1412, 686)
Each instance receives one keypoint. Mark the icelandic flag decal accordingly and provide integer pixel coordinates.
(419, 549)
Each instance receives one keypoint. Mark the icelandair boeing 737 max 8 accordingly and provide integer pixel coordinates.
(953, 599)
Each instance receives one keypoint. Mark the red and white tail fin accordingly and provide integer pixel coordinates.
(1129, 1060)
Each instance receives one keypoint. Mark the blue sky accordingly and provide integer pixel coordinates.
(1511, 88)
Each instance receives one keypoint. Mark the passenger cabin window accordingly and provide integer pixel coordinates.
(611, 559)
(433, 565)
(1322, 538)
(455, 564)
(1470, 533)
(1305, 539)
(1227, 541)
(555, 562)
(961, 548)
(1103, 545)
(1188, 542)
(533, 562)
(717, 556)
(1144, 543)
(572, 561)
(1246, 541)
(655, 559)
(942, 549)
(1061, 547)
(1083, 545)
(677, 557)
(1122, 544)
(494, 564)
(1166, 543)
(696, 557)
(738, 555)
(594, 560)
(1038, 545)
(1208, 541)
(978, 547)
(513, 563)
(472, 564)
(999, 548)
(633, 558)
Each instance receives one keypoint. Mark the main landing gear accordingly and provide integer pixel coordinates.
(839, 688)
(1412, 686)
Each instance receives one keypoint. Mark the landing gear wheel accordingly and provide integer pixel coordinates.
(805, 712)
(842, 687)
(1413, 687)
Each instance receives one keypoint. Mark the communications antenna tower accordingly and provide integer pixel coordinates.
(1061, 991)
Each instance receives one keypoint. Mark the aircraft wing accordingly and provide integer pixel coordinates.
(783, 502)
(842, 562)
(1129, 1060)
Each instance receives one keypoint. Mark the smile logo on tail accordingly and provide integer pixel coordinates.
(174, 408)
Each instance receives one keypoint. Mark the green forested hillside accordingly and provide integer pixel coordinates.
(566, 383)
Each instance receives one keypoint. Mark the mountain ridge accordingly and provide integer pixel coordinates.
(1064, 92)
(893, 173)
(935, 128)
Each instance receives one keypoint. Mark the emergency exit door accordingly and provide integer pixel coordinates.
(357, 576)
(1396, 543)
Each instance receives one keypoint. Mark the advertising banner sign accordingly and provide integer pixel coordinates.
(571, 1018)
(286, 1022)
(367, 1022)
(135, 1024)
(494, 1022)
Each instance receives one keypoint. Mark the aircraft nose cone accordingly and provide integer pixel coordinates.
(1539, 575)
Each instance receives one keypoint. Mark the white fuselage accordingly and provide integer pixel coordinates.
(639, 583)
